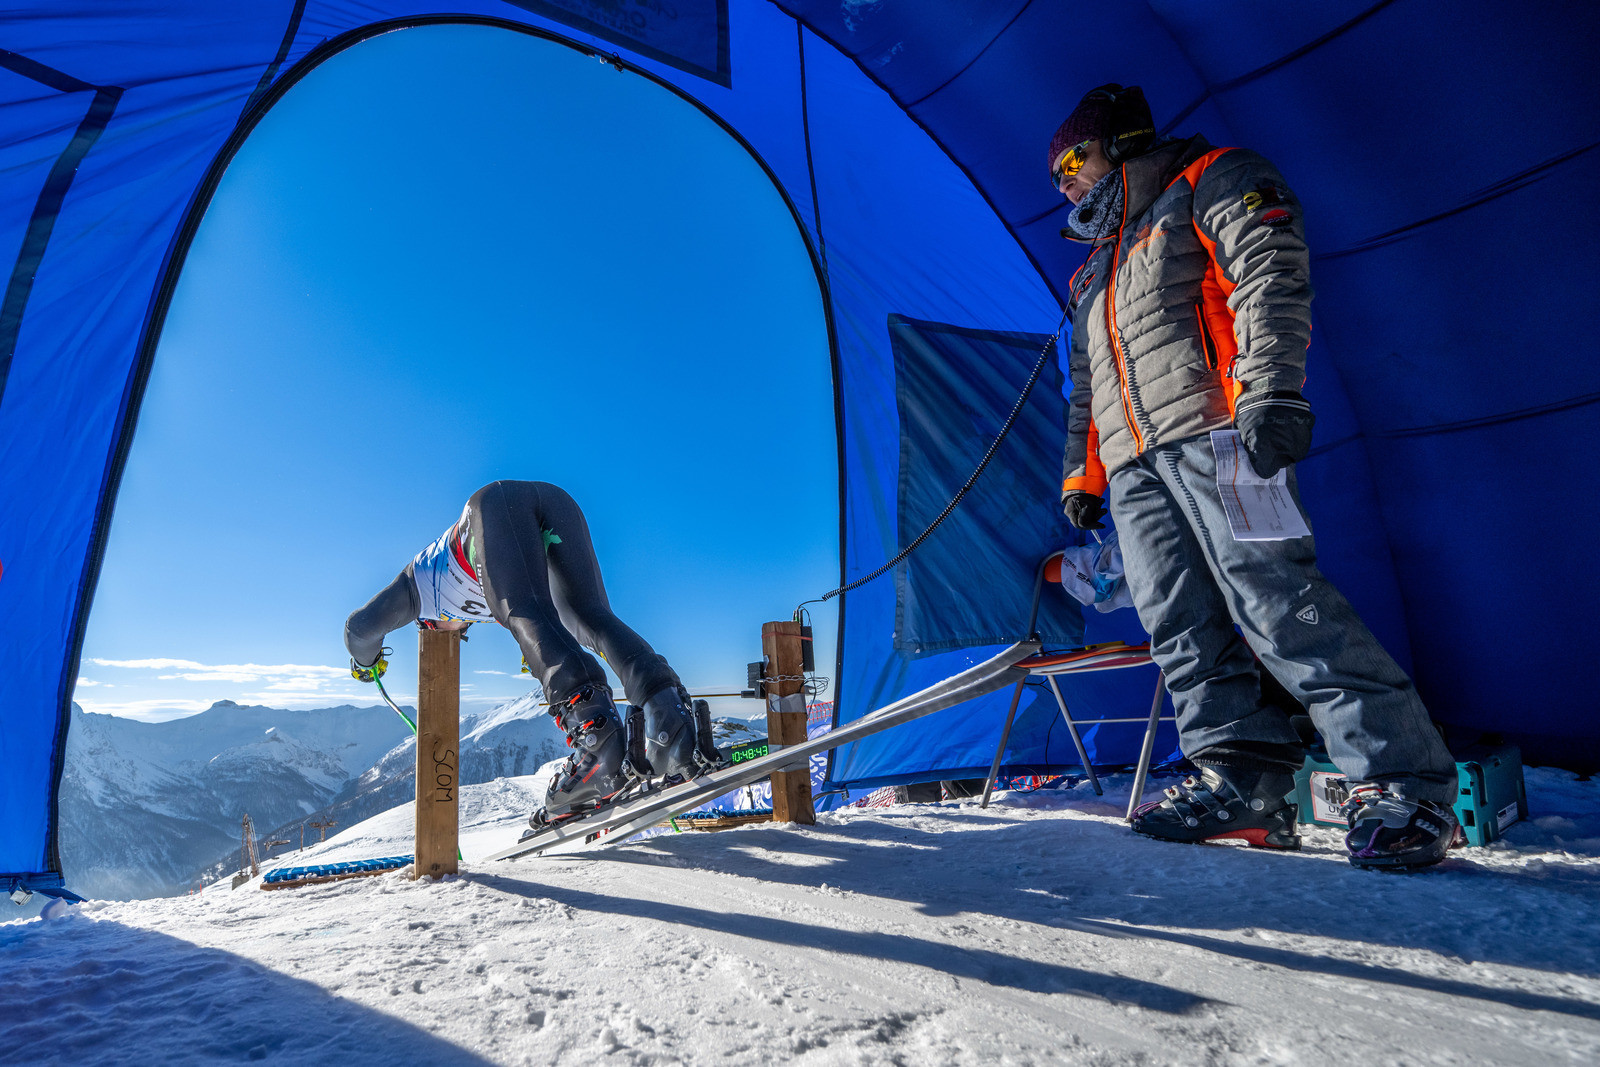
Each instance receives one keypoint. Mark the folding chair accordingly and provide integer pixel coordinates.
(1109, 656)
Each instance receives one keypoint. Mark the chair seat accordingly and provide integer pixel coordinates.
(1106, 657)
(1109, 656)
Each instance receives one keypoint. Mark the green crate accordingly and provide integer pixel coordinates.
(1492, 794)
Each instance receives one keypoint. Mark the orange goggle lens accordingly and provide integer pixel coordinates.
(1070, 163)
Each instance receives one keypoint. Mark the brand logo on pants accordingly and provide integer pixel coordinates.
(1307, 614)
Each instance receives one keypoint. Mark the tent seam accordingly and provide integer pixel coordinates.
(969, 63)
(1281, 61)
(290, 32)
(1044, 276)
(1520, 180)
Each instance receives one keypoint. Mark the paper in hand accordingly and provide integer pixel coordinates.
(1259, 509)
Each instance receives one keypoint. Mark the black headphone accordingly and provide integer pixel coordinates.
(1129, 113)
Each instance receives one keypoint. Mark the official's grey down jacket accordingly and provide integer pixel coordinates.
(1200, 302)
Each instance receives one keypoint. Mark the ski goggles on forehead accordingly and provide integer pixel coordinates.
(1070, 163)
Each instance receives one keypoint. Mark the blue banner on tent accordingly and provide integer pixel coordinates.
(691, 35)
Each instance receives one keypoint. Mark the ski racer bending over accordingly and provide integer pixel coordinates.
(520, 555)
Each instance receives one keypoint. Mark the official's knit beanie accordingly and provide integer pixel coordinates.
(1104, 112)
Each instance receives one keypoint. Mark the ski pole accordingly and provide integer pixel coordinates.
(386, 699)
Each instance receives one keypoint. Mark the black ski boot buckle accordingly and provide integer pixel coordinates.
(1194, 812)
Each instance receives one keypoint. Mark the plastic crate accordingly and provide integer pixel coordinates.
(1492, 795)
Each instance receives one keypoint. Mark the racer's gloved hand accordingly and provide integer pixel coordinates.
(372, 672)
(1084, 509)
(1275, 429)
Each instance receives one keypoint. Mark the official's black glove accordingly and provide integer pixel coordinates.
(1084, 509)
(1275, 429)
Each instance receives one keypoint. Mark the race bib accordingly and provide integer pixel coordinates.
(445, 588)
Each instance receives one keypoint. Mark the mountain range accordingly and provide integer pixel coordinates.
(155, 809)
(147, 809)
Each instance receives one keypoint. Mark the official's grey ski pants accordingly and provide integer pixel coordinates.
(1191, 582)
(542, 581)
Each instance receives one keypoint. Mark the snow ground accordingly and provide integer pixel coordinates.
(1038, 931)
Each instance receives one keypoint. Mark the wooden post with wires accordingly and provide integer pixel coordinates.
(783, 646)
(438, 752)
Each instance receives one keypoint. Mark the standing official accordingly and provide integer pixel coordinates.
(1192, 314)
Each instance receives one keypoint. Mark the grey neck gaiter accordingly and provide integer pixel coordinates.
(1099, 213)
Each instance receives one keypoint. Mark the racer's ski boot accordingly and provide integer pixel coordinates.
(711, 757)
(670, 733)
(1225, 803)
(594, 771)
(1390, 831)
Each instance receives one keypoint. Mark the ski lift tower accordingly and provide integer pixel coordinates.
(249, 860)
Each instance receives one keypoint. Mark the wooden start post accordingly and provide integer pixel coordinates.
(438, 752)
(783, 646)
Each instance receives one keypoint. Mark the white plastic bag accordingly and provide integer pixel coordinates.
(1092, 574)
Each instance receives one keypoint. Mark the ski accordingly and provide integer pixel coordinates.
(616, 823)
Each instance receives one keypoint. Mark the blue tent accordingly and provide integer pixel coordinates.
(1451, 483)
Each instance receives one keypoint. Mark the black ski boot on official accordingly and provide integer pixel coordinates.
(671, 733)
(594, 771)
(1390, 831)
(1225, 803)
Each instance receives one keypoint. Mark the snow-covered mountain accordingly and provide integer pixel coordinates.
(511, 739)
(145, 805)
(152, 809)
(507, 741)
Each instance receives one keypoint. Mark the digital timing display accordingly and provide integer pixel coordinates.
(746, 751)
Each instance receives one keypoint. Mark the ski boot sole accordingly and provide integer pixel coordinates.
(1254, 837)
(1400, 864)
(547, 818)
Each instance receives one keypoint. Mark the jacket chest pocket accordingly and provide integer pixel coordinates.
(1083, 281)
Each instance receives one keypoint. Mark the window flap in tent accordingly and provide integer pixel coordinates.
(954, 391)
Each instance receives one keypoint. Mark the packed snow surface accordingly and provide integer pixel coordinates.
(1037, 931)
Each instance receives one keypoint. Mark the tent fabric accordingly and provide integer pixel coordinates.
(1450, 374)
(953, 394)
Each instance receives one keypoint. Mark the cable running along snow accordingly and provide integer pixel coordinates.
(1016, 409)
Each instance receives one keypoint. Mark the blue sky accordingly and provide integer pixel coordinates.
(451, 255)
